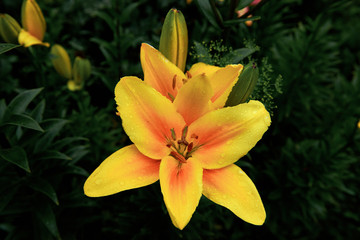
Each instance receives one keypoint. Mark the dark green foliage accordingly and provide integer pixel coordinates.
(306, 167)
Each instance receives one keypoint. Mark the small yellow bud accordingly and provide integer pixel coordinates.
(174, 38)
(81, 72)
(244, 86)
(9, 28)
(32, 19)
(61, 61)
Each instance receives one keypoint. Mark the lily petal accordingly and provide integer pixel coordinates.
(159, 72)
(181, 186)
(227, 134)
(27, 40)
(222, 80)
(147, 116)
(193, 98)
(125, 169)
(232, 188)
(32, 19)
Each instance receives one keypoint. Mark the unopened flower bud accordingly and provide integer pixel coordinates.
(33, 23)
(61, 61)
(81, 72)
(9, 28)
(244, 86)
(174, 38)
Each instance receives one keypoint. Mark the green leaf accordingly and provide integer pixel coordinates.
(16, 155)
(238, 55)
(52, 128)
(77, 170)
(44, 187)
(38, 111)
(51, 154)
(206, 9)
(45, 215)
(21, 101)
(4, 47)
(2, 109)
(243, 3)
(23, 120)
(229, 23)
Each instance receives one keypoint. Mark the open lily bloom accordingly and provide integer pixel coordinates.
(167, 78)
(186, 145)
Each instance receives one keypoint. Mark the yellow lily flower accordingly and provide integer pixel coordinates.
(34, 25)
(167, 78)
(61, 61)
(190, 148)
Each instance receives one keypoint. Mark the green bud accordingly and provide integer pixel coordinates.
(244, 86)
(9, 29)
(174, 38)
(81, 72)
(61, 61)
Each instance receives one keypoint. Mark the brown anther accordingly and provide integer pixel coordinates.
(184, 80)
(174, 82)
(194, 136)
(178, 156)
(169, 145)
(188, 74)
(190, 147)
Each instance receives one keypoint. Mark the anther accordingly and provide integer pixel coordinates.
(184, 80)
(178, 156)
(174, 82)
(190, 147)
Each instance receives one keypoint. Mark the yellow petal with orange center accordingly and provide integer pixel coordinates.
(27, 40)
(32, 19)
(227, 134)
(125, 169)
(181, 186)
(222, 80)
(147, 116)
(232, 188)
(193, 98)
(159, 72)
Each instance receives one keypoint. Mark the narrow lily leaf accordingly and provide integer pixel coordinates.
(240, 20)
(243, 3)
(76, 170)
(206, 9)
(54, 155)
(6, 196)
(44, 187)
(2, 109)
(52, 128)
(21, 101)
(239, 54)
(16, 155)
(45, 215)
(23, 120)
(4, 47)
(38, 111)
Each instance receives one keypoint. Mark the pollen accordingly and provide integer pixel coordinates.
(180, 149)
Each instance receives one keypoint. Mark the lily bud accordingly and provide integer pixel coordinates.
(9, 28)
(33, 23)
(244, 86)
(174, 38)
(81, 72)
(61, 61)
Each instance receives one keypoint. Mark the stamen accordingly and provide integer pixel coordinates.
(178, 156)
(169, 145)
(184, 133)
(190, 147)
(184, 80)
(173, 134)
(171, 97)
(174, 82)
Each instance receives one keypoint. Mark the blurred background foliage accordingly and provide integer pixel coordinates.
(306, 167)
